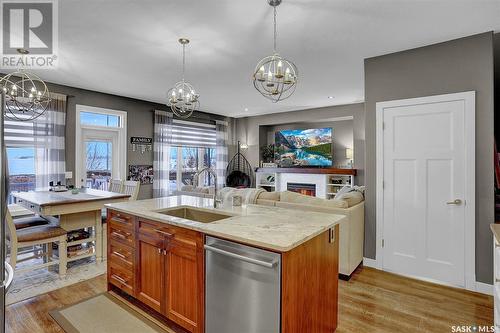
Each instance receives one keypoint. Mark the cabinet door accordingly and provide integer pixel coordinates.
(185, 276)
(150, 270)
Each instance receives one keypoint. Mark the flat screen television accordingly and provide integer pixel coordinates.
(304, 147)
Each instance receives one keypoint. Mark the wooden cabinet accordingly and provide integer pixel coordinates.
(121, 252)
(160, 265)
(150, 271)
(185, 282)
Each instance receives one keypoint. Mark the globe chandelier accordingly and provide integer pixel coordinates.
(182, 98)
(275, 77)
(26, 95)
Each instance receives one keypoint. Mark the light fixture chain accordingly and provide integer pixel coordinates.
(275, 30)
(183, 60)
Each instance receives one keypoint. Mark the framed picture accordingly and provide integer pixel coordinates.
(142, 173)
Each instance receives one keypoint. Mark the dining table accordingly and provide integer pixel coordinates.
(74, 210)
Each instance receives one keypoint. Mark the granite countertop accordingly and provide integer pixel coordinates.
(273, 228)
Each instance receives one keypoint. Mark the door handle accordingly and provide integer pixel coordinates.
(240, 257)
(457, 202)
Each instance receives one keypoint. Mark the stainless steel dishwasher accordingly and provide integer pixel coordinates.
(242, 288)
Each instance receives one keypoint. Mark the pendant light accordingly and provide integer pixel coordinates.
(274, 76)
(26, 95)
(182, 98)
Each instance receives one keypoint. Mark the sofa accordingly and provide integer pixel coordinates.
(351, 230)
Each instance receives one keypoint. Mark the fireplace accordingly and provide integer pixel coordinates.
(302, 188)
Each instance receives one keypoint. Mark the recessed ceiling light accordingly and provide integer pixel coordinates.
(331, 97)
(246, 109)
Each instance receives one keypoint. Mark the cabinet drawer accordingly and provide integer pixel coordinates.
(120, 234)
(123, 220)
(28, 205)
(121, 254)
(121, 277)
(149, 228)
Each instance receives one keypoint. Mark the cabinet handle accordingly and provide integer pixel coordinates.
(122, 280)
(120, 235)
(119, 255)
(164, 252)
(159, 251)
(119, 220)
(164, 233)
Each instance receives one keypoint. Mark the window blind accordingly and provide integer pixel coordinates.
(191, 134)
(18, 133)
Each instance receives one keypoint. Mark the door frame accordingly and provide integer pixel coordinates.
(122, 140)
(469, 100)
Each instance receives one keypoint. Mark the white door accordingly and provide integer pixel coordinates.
(428, 186)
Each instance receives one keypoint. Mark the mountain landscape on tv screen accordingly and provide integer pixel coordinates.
(308, 147)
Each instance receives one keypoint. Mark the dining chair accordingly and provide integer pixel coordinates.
(33, 237)
(115, 185)
(131, 187)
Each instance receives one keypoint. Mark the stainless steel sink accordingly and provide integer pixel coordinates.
(195, 214)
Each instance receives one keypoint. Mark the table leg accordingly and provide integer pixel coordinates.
(98, 236)
(63, 256)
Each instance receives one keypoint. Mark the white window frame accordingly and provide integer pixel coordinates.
(120, 131)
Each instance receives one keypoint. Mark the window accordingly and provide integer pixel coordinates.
(101, 143)
(193, 149)
(20, 145)
(98, 163)
(21, 163)
(99, 119)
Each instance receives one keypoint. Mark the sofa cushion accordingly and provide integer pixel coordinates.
(275, 196)
(293, 197)
(352, 198)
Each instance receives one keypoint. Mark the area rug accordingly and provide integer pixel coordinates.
(104, 313)
(33, 283)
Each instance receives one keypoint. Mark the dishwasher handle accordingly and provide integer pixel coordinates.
(240, 257)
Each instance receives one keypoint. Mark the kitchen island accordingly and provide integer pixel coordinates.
(158, 254)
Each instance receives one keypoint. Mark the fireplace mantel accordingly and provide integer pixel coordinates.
(319, 171)
(325, 180)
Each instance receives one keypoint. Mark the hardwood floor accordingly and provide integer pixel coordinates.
(372, 301)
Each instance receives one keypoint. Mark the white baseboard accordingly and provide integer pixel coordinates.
(484, 288)
(368, 262)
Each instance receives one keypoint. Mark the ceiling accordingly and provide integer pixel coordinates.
(130, 48)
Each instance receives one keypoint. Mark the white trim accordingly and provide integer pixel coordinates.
(121, 130)
(469, 99)
(368, 262)
(484, 288)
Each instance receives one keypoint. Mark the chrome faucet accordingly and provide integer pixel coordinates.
(194, 181)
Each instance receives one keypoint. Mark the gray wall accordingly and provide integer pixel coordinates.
(139, 123)
(342, 136)
(252, 130)
(460, 65)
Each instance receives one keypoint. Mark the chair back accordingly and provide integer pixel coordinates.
(115, 185)
(131, 187)
(12, 228)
